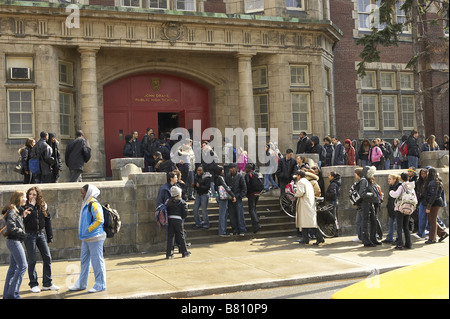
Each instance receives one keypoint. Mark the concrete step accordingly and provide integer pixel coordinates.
(272, 220)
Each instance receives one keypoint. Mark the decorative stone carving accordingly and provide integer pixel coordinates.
(172, 31)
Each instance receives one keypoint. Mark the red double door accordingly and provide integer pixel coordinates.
(150, 100)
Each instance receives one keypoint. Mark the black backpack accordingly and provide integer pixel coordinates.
(111, 220)
(254, 182)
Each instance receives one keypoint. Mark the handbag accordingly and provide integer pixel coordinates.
(18, 168)
(223, 195)
(355, 198)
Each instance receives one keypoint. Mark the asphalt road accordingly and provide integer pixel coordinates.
(323, 290)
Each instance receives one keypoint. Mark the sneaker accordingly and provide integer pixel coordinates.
(242, 234)
(186, 254)
(75, 288)
(93, 290)
(52, 287)
(35, 289)
(224, 235)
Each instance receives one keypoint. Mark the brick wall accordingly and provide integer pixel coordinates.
(215, 6)
(347, 52)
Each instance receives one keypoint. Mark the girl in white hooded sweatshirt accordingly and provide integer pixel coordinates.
(402, 219)
(92, 237)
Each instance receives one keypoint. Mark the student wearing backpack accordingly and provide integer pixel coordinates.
(254, 188)
(176, 213)
(368, 193)
(402, 218)
(92, 238)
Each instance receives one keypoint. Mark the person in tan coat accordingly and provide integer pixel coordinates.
(306, 217)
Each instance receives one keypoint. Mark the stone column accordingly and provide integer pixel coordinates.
(89, 110)
(246, 104)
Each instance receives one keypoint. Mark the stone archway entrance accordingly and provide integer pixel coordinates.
(150, 100)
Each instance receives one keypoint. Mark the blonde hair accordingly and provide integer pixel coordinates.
(396, 178)
(431, 140)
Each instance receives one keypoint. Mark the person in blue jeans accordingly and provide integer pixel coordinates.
(202, 184)
(394, 183)
(222, 189)
(39, 233)
(92, 237)
(15, 236)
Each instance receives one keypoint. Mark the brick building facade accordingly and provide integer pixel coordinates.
(382, 104)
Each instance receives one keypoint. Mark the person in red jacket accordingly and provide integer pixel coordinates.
(350, 151)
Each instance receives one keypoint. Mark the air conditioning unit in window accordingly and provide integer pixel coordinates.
(20, 74)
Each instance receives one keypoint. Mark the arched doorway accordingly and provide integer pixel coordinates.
(159, 101)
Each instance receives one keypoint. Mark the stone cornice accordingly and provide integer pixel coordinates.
(44, 23)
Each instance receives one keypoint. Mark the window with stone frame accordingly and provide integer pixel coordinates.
(388, 100)
(252, 6)
(407, 106)
(301, 112)
(66, 114)
(131, 3)
(259, 77)
(298, 5)
(261, 105)
(370, 112)
(389, 106)
(158, 4)
(20, 113)
(299, 75)
(185, 5)
(65, 73)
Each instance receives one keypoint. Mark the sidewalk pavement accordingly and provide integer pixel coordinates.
(235, 265)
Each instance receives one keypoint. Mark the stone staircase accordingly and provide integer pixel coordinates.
(273, 221)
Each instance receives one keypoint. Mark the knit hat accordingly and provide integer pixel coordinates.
(175, 191)
(348, 141)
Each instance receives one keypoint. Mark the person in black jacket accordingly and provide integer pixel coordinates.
(413, 149)
(25, 155)
(176, 213)
(221, 187)
(394, 183)
(77, 153)
(433, 202)
(16, 234)
(285, 170)
(39, 233)
(304, 144)
(366, 191)
(235, 206)
(254, 188)
(57, 166)
(202, 184)
(333, 192)
(42, 151)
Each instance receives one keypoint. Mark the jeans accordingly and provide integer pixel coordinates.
(252, 202)
(387, 164)
(92, 252)
(391, 223)
(423, 221)
(190, 189)
(268, 178)
(201, 201)
(16, 270)
(237, 219)
(413, 161)
(38, 240)
(403, 227)
(223, 212)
